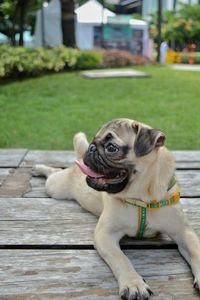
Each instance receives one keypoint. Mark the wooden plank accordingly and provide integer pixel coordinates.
(37, 188)
(4, 172)
(52, 158)
(19, 182)
(183, 165)
(184, 159)
(189, 181)
(11, 157)
(186, 155)
(82, 275)
(44, 221)
(16, 183)
(63, 222)
(187, 159)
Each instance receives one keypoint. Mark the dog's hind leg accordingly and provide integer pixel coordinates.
(62, 183)
(80, 147)
(42, 170)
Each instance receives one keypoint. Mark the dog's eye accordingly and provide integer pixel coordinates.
(108, 137)
(112, 148)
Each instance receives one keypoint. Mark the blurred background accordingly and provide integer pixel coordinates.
(44, 46)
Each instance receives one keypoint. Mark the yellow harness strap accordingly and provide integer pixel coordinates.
(142, 209)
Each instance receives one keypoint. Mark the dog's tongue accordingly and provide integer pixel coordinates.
(87, 171)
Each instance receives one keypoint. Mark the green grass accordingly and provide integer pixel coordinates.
(45, 112)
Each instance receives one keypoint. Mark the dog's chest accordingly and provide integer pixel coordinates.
(141, 230)
(129, 220)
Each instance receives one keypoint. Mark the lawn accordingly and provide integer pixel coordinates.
(45, 112)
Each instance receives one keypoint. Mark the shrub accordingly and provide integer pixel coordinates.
(116, 58)
(119, 58)
(88, 59)
(185, 57)
(21, 62)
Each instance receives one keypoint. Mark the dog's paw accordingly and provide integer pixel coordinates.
(135, 290)
(37, 170)
(196, 284)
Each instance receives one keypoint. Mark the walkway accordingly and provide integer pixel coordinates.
(185, 67)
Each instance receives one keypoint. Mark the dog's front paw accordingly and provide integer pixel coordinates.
(196, 284)
(135, 290)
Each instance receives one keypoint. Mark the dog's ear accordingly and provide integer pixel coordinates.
(147, 139)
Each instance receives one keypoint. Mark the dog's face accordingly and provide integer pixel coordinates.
(110, 161)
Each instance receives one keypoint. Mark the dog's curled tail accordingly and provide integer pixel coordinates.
(80, 144)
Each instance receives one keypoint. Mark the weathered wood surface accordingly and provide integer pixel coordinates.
(29, 219)
(4, 172)
(184, 159)
(11, 157)
(25, 158)
(52, 158)
(16, 183)
(20, 183)
(36, 221)
(187, 159)
(44, 221)
(76, 274)
(189, 181)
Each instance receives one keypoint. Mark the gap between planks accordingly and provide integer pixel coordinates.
(87, 247)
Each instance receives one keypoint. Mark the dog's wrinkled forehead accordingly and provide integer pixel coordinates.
(138, 136)
(121, 128)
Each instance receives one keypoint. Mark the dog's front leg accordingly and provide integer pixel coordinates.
(131, 284)
(188, 245)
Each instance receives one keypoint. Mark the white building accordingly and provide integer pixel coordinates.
(89, 19)
(88, 28)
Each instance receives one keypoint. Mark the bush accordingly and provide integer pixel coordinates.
(18, 62)
(185, 57)
(88, 59)
(119, 58)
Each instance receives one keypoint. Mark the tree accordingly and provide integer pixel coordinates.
(22, 6)
(16, 16)
(184, 26)
(159, 28)
(8, 19)
(179, 27)
(68, 22)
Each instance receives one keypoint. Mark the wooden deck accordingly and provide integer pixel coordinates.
(46, 245)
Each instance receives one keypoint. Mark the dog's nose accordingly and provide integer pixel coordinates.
(92, 148)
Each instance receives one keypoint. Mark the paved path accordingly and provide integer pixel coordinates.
(113, 73)
(46, 245)
(185, 67)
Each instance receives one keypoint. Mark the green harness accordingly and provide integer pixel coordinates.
(153, 205)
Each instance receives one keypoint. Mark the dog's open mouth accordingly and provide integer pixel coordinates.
(112, 182)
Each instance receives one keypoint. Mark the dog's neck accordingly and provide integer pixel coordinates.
(154, 172)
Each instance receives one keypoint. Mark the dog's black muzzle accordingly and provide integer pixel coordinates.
(114, 178)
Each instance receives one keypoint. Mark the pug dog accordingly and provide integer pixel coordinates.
(126, 166)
